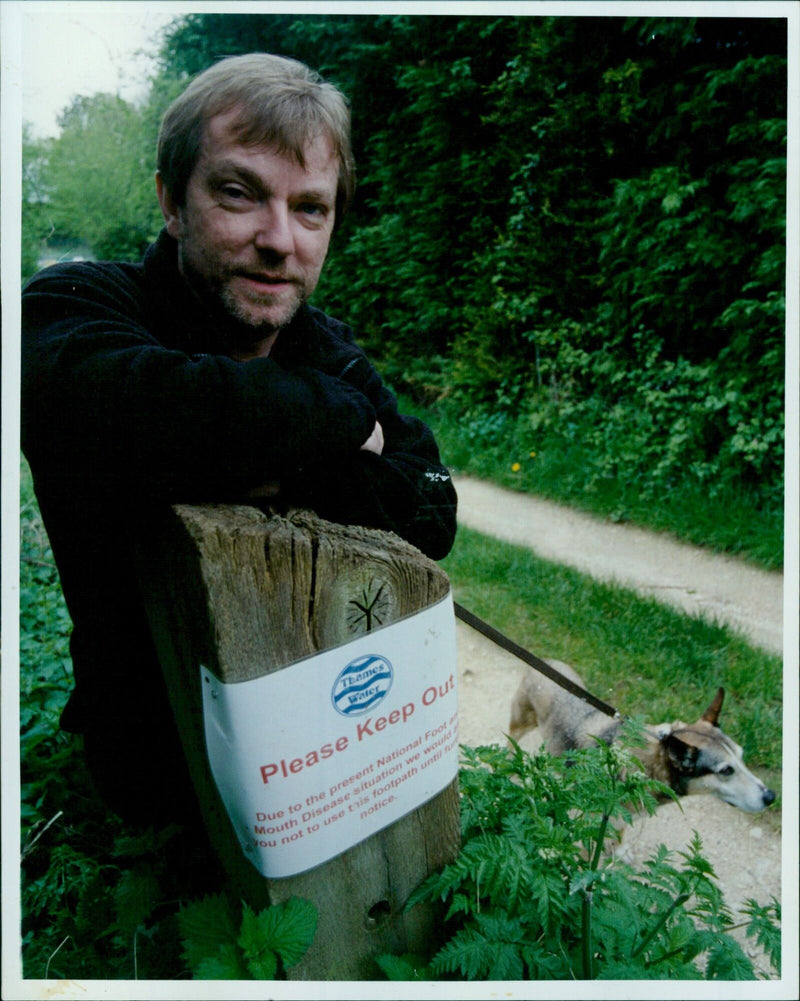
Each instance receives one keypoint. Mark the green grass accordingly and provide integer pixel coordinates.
(642, 657)
(728, 517)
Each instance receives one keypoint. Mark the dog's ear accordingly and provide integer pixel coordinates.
(711, 715)
(682, 756)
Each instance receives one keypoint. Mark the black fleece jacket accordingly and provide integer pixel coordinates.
(127, 404)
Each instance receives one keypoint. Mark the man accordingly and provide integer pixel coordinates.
(203, 374)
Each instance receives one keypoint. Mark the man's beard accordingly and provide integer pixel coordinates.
(242, 320)
(236, 327)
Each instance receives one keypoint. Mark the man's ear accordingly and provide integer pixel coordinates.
(169, 209)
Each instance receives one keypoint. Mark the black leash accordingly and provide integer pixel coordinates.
(531, 659)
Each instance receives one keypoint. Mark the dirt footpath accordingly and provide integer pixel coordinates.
(744, 849)
(698, 582)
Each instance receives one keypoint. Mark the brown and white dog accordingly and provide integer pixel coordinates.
(690, 758)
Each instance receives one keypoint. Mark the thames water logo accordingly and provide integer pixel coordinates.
(362, 685)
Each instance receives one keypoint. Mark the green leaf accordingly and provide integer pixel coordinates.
(581, 881)
(150, 841)
(727, 961)
(250, 938)
(225, 964)
(286, 929)
(261, 959)
(405, 967)
(136, 895)
(264, 966)
(467, 953)
(96, 905)
(206, 925)
(765, 927)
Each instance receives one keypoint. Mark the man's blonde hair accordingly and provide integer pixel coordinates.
(280, 103)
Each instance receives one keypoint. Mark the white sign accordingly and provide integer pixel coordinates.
(315, 758)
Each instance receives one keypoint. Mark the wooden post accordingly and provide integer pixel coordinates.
(246, 594)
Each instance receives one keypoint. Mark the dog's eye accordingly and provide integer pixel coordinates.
(727, 770)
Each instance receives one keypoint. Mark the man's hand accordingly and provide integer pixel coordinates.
(375, 441)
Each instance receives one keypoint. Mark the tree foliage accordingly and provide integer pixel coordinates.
(101, 174)
(36, 222)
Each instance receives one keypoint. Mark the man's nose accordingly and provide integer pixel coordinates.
(273, 231)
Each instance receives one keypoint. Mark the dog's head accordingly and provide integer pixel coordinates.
(703, 759)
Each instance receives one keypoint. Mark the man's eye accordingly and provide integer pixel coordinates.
(313, 209)
(232, 193)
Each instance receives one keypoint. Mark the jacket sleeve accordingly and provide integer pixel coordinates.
(106, 406)
(405, 490)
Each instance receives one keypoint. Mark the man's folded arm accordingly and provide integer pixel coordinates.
(405, 489)
(399, 493)
(102, 397)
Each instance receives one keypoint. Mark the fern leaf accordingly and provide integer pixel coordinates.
(506, 962)
(549, 898)
(727, 961)
(581, 881)
(460, 904)
(490, 949)
(764, 926)
(545, 963)
(634, 970)
(467, 953)
(500, 926)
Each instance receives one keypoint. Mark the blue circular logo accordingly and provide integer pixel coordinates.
(362, 685)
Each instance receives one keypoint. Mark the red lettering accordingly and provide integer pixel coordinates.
(298, 764)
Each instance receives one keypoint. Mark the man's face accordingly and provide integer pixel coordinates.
(254, 230)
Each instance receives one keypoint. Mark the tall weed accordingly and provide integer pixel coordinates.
(533, 896)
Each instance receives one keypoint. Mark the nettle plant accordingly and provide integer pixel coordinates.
(536, 894)
(220, 943)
